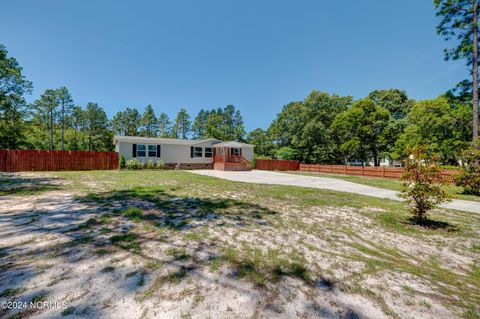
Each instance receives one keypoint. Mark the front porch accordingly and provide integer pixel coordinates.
(229, 157)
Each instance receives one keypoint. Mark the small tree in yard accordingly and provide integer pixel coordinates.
(469, 177)
(422, 184)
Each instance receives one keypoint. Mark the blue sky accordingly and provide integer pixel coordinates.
(256, 55)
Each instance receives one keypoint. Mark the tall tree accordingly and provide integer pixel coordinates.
(66, 105)
(77, 121)
(164, 124)
(181, 128)
(459, 21)
(262, 141)
(306, 127)
(13, 108)
(118, 123)
(394, 100)
(46, 113)
(399, 105)
(214, 127)
(96, 125)
(199, 126)
(239, 127)
(149, 121)
(225, 124)
(362, 129)
(12, 124)
(132, 121)
(442, 128)
(288, 123)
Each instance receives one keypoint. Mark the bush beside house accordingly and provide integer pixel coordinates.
(135, 164)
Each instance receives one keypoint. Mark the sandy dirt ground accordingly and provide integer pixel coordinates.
(57, 248)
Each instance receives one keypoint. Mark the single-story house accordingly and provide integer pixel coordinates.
(186, 154)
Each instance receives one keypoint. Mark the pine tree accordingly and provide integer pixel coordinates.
(181, 128)
(460, 22)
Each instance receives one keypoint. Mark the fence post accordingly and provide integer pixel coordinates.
(383, 171)
(363, 170)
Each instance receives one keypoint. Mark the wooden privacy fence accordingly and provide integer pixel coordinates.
(42, 160)
(372, 171)
(277, 165)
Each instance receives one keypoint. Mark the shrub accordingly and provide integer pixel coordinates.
(469, 176)
(134, 164)
(122, 162)
(160, 164)
(151, 164)
(422, 184)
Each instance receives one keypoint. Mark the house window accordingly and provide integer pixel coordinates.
(235, 151)
(152, 150)
(208, 152)
(198, 152)
(141, 150)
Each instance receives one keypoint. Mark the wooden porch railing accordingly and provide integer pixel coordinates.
(228, 158)
(232, 159)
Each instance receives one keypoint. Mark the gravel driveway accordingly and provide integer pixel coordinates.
(276, 178)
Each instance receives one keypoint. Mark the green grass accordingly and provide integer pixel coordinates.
(177, 191)
(68, 311)
(11, 292)
(262, 267)
(127, 241)
(391, 184)
(41, 297)
(108, 269)
(178, 254)
(133, 213)
(173, 277)
(18, 186)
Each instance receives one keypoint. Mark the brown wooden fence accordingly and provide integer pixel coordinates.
(41, 160)
(277, 165)
(383, 172)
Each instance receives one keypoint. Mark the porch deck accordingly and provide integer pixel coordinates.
(231, 163)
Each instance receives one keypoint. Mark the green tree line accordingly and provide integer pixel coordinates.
(322, 128)
(332, 129)
(55, 122)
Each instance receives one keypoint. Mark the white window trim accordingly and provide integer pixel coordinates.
(195, 151)
(209, 152)
(138, 150)
(147, 150)
(155, 150)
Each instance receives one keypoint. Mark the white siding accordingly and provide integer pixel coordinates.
(247, 152)
(169, 153)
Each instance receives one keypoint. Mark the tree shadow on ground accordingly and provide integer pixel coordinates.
(16, 184)
(107, 228)
(162, 209)
(431, 224)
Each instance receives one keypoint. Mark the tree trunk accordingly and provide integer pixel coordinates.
(75, 147)
(63, 123)
(475, 71)
(375, 160)
(90, 140)
(51, 129)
